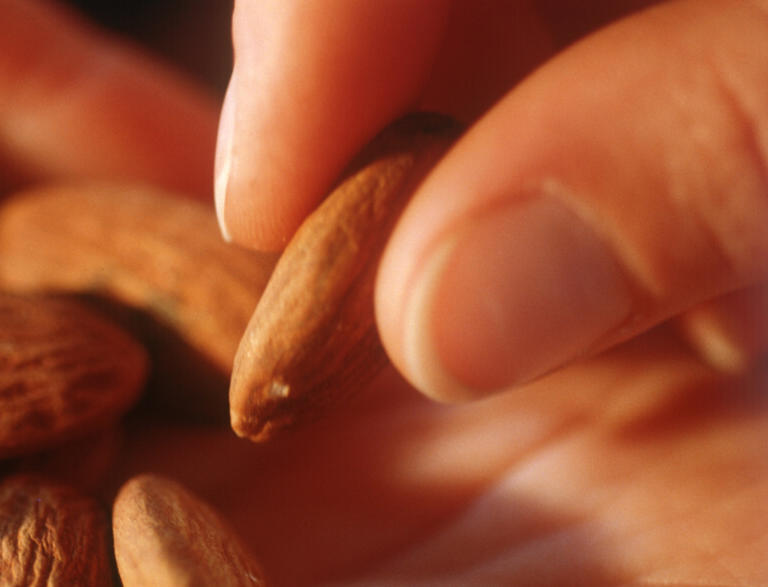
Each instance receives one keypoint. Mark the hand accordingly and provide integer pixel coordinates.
(640, 467)
(643, 463)
(617, 186)
(614, 199)
(75, 103)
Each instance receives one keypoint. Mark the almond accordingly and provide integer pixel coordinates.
(313, 338)
(51, 536)
(157, 262)
(64, 371)
(165, 536)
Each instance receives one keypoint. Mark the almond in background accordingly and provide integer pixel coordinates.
(165, 536)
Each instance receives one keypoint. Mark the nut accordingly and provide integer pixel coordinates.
(156, 262)
(166, 536)
(64, 371)
(51, 536)
(313, 336)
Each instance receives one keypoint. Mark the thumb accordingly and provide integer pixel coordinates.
(617, 187)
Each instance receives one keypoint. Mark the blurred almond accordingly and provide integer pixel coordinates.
(157, 263)
(165, 536)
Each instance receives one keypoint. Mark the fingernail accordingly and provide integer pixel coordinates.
(517, 292)
(223, 164)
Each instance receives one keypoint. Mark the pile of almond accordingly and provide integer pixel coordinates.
(120, 303)
(114, 301)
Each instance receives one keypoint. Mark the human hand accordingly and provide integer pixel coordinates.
(640, 467)
(76, 103)
(641, 464)
(616, 189)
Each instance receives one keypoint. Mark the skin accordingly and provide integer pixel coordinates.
(645, 133)
(642, 462)
(95, 108)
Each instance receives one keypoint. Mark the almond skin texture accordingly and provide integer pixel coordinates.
(51, 536)
(313, 337)
(157, 263)
(64, 371)
(165, 536)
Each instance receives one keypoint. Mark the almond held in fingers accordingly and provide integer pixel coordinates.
(51, 536)
(313, 335)
(156, 262)
(165, 536)
(64, 371)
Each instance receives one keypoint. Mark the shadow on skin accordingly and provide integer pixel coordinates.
(636, 466)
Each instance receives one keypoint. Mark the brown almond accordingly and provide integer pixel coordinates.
(313, 336)
(51, 536)
(165, 536)
(64, 371)
(156, 262)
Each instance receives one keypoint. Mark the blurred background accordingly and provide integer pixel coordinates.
(194, 35)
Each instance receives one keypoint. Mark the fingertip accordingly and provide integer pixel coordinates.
(223, 160)
(420, 359)
(312, 83)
